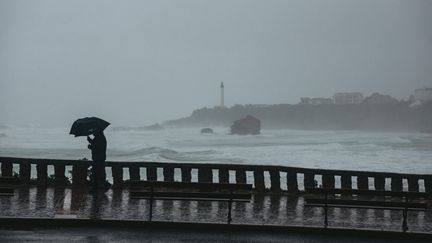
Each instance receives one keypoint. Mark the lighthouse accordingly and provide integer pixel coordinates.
(222, 101)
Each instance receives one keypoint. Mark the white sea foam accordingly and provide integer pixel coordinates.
(397, 139)
(399, 152)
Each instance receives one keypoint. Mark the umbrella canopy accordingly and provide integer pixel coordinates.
(88, 125)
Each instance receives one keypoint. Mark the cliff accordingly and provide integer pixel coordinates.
(391, 116)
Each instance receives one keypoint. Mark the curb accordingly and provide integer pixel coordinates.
(20, 223)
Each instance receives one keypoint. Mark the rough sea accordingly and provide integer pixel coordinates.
(352, 150)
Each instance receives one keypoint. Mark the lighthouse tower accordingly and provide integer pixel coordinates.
(222, 101)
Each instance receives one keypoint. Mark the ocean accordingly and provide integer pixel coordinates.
(403, 152)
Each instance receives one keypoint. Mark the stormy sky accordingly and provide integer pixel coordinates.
(140, 62)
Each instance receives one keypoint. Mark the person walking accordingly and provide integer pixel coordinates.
(98, 146)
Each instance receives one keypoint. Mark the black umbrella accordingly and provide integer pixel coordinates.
(88, 125)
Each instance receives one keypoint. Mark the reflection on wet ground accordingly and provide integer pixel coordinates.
(263, 210)
(92, 235)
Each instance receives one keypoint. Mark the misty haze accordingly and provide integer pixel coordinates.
(334, 85)
(138, 64)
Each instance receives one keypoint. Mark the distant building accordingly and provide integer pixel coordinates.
(315, 101)
(305, 101)
(423, 95)
(348, 98)
(320, 101)
(377, 98)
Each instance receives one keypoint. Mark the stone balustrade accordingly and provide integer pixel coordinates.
(265, 178)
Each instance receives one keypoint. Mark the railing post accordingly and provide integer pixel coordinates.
(186, 174)
(292, 184)
(396, 183)
(240, 176)
(224, 176)
(362, 182)
(205, 174)
(259, 180)
(134, 172)
(151, 173)
(79, 174)
(59, 175)
(428, 183)
(24, 172)
(168, 172)
(42, 174)
(309, 180)
(6, 168)
(413, 185)
(379, 182)
(275, 180)
(328, 181)
(346, 182)
(117, 174)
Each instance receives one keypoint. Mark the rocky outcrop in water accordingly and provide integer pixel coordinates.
(207, 130)
(154, 127)
(245, 126)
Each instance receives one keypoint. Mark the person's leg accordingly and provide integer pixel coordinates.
(102, 175)
(93, 176)
(93, 173)
(96, 174)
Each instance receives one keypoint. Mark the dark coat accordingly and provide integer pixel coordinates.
(98, 147)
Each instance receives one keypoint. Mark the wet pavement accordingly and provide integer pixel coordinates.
(83, 235)
(286, 210)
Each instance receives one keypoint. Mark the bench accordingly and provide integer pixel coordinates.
(374, 199)
(189, 191)
(7, 185)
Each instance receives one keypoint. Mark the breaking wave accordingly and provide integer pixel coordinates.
(199, 156)
(397, 152)
(397, 139)
(161, 154)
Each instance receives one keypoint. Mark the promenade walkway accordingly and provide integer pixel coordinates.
(280, 210)
(187, 235)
